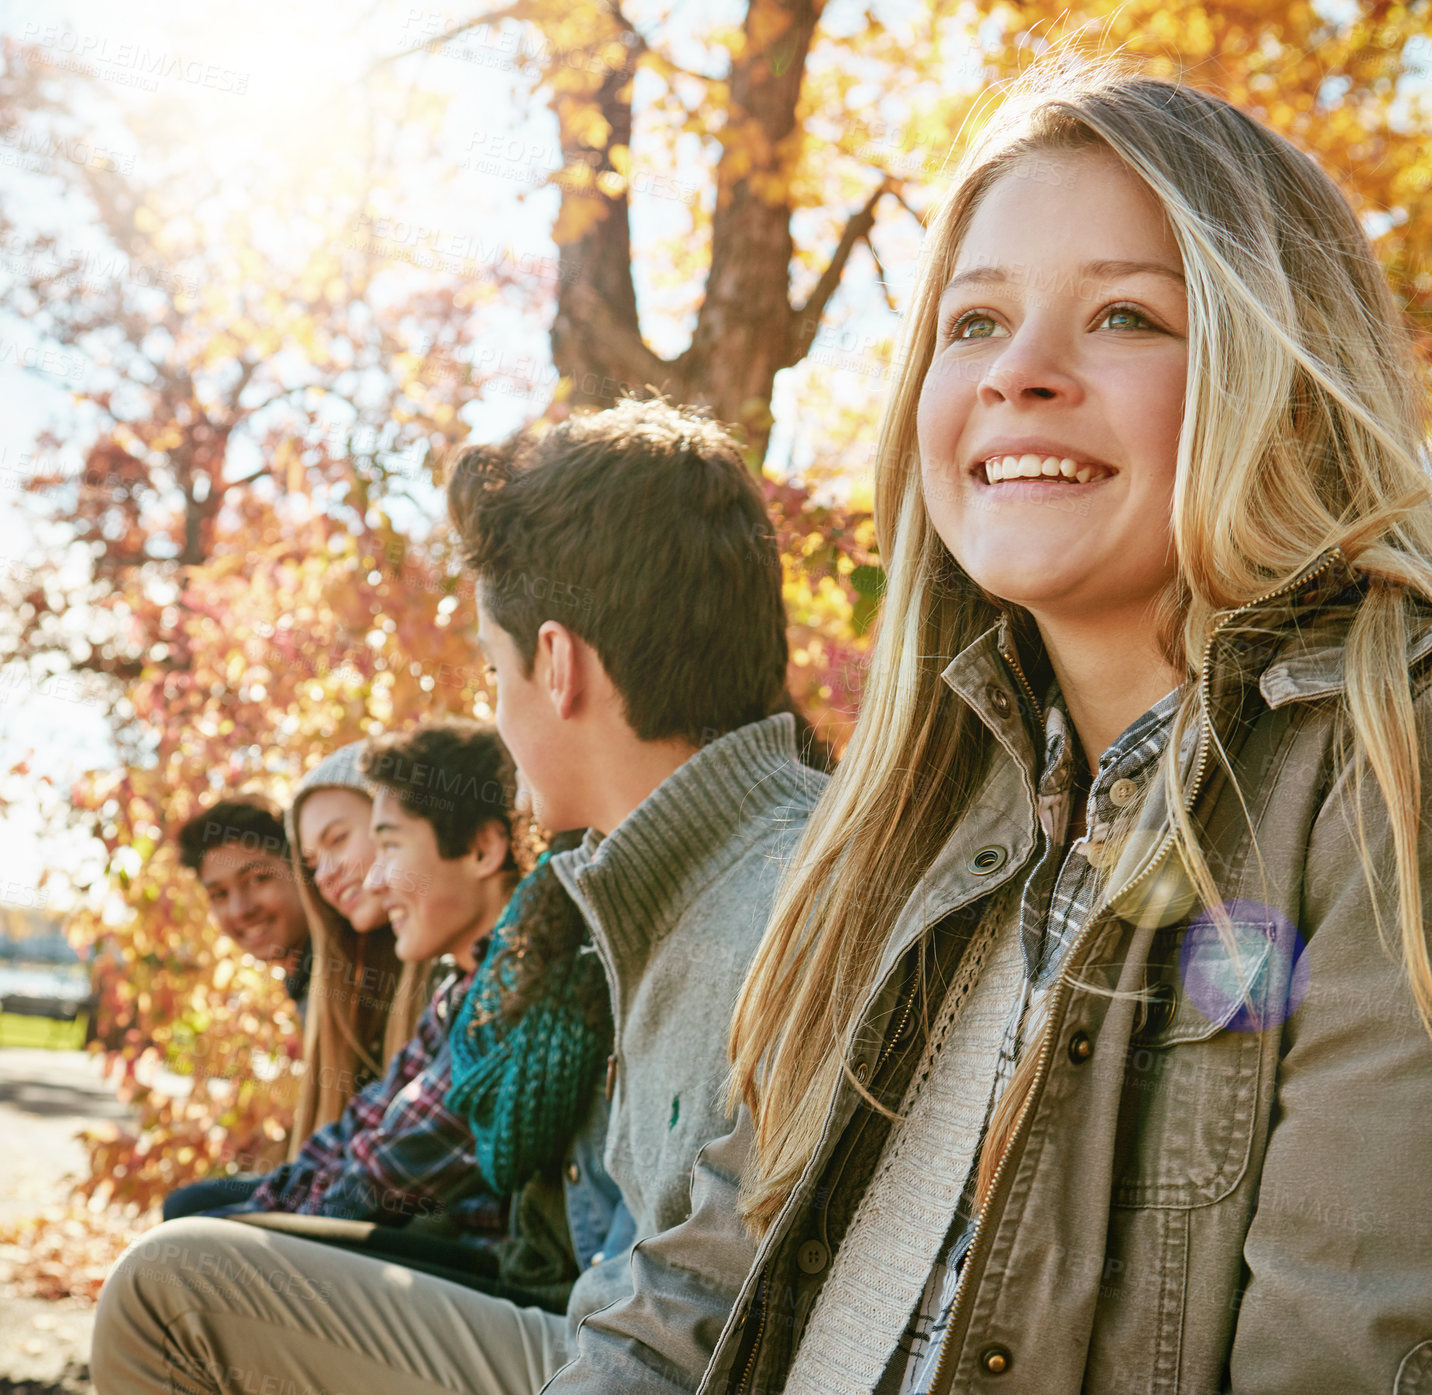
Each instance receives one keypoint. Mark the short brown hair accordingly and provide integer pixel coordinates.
(642, 530)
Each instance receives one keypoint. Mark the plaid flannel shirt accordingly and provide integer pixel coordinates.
(397, 1154)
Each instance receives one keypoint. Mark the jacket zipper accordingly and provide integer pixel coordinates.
(900, 1027)
(755, 1341)
(1011, 657)
(1060, 992)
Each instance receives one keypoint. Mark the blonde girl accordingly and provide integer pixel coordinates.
(363, 1001)
(1088, 1047)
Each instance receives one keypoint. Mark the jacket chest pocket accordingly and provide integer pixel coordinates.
(1191, 1073)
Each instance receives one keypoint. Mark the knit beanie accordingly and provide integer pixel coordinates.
(338, 771)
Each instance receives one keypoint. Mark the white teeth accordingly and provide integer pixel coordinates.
(1014, 467)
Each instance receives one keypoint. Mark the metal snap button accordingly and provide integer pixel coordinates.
(1081, 1047)
(998, 699)
(1122, 791)
(574, 1173)
(996, 1360)
(1155, 1012)
(988, 860)
(812, 1257)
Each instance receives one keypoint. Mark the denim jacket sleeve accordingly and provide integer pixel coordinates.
(596, 1215)
(685, 1280)
(1338, 1289)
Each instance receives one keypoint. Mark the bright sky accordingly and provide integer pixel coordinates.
(246, 80)
(252, 85)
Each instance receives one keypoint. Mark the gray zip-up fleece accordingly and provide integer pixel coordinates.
(677, 897)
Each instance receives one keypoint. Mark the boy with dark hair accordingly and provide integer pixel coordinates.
(240, 852)
(629, 603)
(442, 824)
(639, 532)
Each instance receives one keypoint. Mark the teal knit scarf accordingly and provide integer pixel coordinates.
(522, 1085)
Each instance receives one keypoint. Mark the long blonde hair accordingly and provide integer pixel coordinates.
(363, 1001)
(1303, 429)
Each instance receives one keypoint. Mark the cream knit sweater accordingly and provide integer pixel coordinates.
(895, 1237)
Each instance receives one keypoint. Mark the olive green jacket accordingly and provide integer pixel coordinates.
(1211, 1189)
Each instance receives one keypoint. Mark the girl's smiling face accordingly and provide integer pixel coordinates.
(1060, 361)
(335, 843)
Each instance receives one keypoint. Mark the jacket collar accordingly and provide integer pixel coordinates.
(1267, 641)
(981, 675)
(1310, 660)
(1291, 642)
(634, 884)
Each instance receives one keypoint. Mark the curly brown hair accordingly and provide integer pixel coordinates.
(549, 943)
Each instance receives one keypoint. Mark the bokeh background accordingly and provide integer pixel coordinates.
(263, 266)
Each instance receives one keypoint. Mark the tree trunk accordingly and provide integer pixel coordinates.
(747, 330)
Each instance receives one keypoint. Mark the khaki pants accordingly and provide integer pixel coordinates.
(212, 1307)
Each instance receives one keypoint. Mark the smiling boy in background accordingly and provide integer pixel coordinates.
(240, 853)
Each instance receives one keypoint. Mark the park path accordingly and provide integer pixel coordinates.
(46, 1098)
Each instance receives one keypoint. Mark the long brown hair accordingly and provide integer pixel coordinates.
(1303, 429)
(548, 945)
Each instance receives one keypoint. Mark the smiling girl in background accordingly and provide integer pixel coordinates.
(1088, 1047)
(364, 1002)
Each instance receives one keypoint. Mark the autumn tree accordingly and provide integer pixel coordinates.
(276, 360)
(830, 129)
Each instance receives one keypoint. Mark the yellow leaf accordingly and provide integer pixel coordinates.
(578, 216)
(585, 123)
